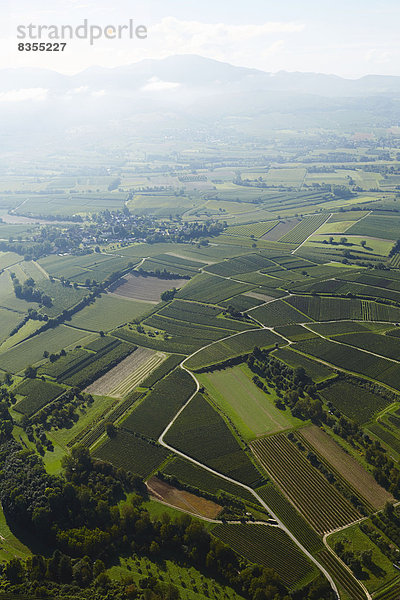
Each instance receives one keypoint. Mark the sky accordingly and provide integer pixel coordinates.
(348, 38)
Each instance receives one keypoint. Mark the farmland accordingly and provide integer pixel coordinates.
(319, 502)
(153, 414)
(181, 499)
(202, 433)
(36, 395)
(347, 466)
(268, 546)
(132, 453)
(129, 373)
(237, 345)
(304, 229)
(146, 289)
(279, 313)
(108, 312)
(252, 410)
(355, 402)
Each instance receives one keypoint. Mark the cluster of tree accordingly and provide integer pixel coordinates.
(79, 516)
(27, 291)
(164, 274)
(395, 249)
(355, 560)
(388, 522)
(168, 295)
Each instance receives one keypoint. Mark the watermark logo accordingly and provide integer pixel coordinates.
(85, 31)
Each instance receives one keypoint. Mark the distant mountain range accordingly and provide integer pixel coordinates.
(187, 92)
(194, 72)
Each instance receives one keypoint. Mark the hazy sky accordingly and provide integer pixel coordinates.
(349, 38)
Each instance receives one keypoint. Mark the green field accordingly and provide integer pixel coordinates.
(31, 351)
(109, 312)
(252, 410)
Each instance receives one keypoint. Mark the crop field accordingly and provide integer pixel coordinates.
(317, 500)
(131, 453)
(295, 333)
(153, 414)
(334, 309)
(145, 288)
(255, 229)
(182, 499)
(94, 365)
(384, 345)
(252, 410)
(8, 320)
(108, 312)
(386, 436)
(151, 265)
(162, 370)
(192, 336)
(237, 345)
(128, 374)
(241, 264)
(347, 582)
(384, 227)
(304, 229)
(279, 313)
(290, 517)
(212, 289)
(188, 473)
(201, 314)
(354, 401)
(148, 339)
(354, 360)
(361, 480)
(31, 351)
(281, 229)
(8, 258)
(338, 328)
(37, 394)
(243, 302)
(315, 370)
(200, 432)
(79, 268)
(270, 547)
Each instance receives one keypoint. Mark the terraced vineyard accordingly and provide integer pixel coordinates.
(270, 547)
(320, 503)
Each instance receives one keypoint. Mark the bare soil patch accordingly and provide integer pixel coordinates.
(147, 288)
(279, 230)
(348, 467)
(182, 499)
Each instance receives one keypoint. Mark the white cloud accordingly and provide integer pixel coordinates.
(158, 85)
(377, 56)
(98, 93)
(22, 95)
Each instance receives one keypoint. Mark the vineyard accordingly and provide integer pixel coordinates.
(321, 504)
(279, 313)
(241, 264)
(237, 345)
(208, 288)
(354, 401)
(270, 547)
(153, 414)
(162, 370)
(200, 432)
(131, 453)
(255, 229)
(304, 229)
(353, 360)
(315, 370)
(37, 394)
(289, 516)
(188, 473)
